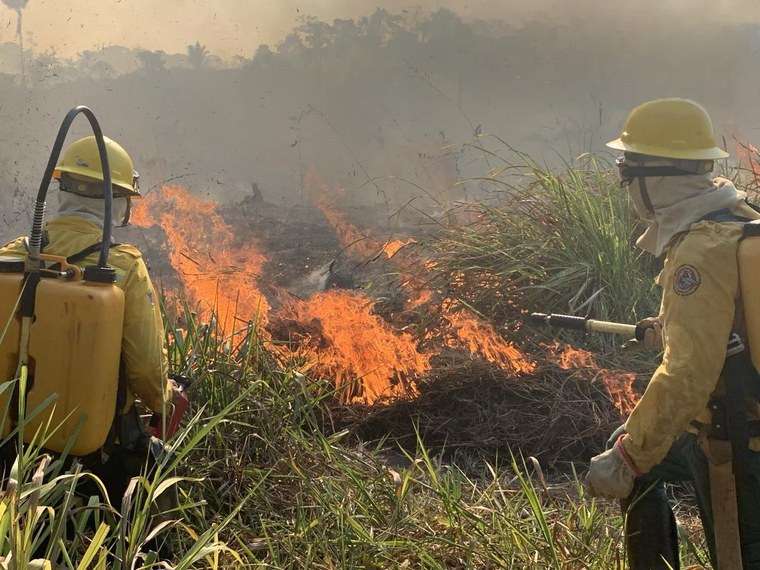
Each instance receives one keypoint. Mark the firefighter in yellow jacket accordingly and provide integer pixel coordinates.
(75, 233)
(696, 222)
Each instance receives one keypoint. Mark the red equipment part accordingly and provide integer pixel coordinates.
(181, 404)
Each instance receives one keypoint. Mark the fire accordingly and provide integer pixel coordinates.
(575, 358)
(482, 339)
(619, 384)
(620, 387)
(348, 234)
(749, 157)
(334, 334)
(470, 332)
(218, 276)
(338, 334)
(392, 247)
(359, 345)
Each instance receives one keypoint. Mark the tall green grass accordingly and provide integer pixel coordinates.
(561, 242)
(265, 481)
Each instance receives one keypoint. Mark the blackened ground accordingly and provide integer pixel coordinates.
(297, 239)
(470, 407)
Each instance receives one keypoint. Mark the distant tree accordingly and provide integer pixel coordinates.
(292, 47)
(92, 65)
(264, 56)
(317, 35)
(87, 59)
(197, 55)
(45, 66)
(151, 62)
(381, 26)
(103, 70)
(18, 6)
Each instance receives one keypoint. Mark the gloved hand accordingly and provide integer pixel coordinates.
(612, 473)
(652, 335)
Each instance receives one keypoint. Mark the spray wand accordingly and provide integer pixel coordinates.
(589, 325)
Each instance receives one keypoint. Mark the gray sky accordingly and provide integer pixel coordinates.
(237, 27)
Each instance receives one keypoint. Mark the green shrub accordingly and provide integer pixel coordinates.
(553, 242)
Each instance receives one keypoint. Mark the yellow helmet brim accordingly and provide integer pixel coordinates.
(712, 153)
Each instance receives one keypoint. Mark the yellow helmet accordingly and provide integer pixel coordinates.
(670, 128)
(81, 162)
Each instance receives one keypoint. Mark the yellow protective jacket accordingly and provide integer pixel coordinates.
(700, 296)
(143, 350)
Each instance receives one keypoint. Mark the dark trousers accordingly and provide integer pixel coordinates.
(117, 471)
(651, 535)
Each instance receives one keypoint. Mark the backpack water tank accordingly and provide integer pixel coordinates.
(74, 353)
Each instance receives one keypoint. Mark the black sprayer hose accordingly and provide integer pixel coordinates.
(35, 239)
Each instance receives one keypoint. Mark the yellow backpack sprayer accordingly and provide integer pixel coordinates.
(61, 332)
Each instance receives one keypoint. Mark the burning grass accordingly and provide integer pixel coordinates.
(316, 498)
(340, 338)
(334, 334)
(433, 361)
(218, 277)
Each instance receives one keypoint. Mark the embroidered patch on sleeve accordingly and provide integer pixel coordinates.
(686, 280)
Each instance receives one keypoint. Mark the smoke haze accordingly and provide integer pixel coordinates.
(389, 103)
(237, 27)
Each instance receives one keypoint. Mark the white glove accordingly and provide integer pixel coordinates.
(611, 474)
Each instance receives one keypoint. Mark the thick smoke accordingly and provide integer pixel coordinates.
(384, 103)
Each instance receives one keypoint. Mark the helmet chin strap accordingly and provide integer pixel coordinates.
(127, 213)
(645, 195)
(629, 173)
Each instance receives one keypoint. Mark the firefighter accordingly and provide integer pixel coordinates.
(76, 233)
(695, 221)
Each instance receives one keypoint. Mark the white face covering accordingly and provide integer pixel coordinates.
(639, 205)
(91, 209)
(678, 202)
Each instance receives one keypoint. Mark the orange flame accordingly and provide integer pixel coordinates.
(482, 339)
(619, 384)
(571, 358)
(344, 340)
(748, 156)
(360, 345)
(392, 247)
(471, 332)
(218, 277)
(620, 387)
(349, 235)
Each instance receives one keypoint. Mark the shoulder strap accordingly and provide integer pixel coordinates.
(79, 256)
(722, 216)
(751, 205)
(89, 250)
